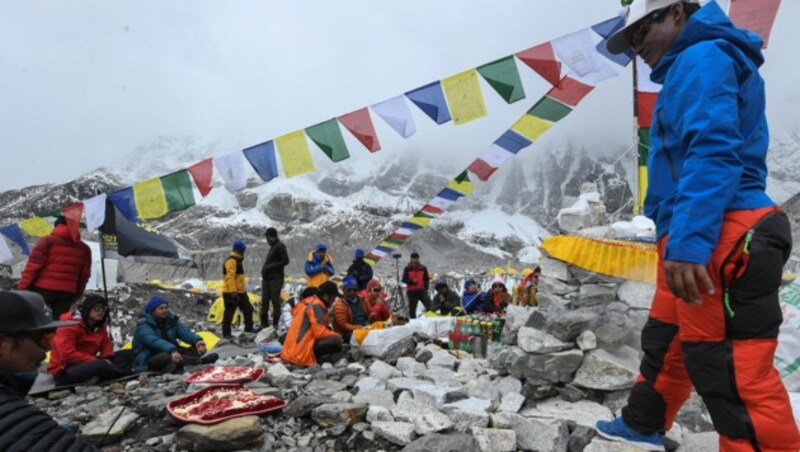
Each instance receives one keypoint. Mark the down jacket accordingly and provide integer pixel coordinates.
(155, 336)
(26, 428)
(58, 263)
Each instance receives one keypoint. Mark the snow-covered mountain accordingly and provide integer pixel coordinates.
(356, 203)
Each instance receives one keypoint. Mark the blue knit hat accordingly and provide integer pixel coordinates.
(155, 301)
(320, 247)
(359, 253)
(349, 282)
(239, 246)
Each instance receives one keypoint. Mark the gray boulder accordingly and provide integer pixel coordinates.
(337, 414)
(234, 434)
(452, 442)
(604, 371)
(536, 341)
(400, 433)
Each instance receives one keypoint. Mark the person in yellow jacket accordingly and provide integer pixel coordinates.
(309, 339)
(234, 293)
(319, 266)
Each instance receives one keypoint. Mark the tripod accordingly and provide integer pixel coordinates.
(398, 304)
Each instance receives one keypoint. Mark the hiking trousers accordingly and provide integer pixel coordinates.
(271, 295)
(725, 346)
(416, 296)
(232, 302)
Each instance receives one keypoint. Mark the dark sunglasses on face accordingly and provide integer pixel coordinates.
(376, 289)
(497, 286)
(643, 28)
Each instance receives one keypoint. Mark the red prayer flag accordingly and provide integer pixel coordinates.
(542, 59)
(569, 91)
(481, 169)
(755, 15)
(73, 215)
(359, 123)
(645, 103)
(427, 208)
(201, 173)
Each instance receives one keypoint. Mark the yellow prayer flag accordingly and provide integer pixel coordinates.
(36, 226)
(295, 154)
(464, 96)
(639, 207)
(531, 127)
(151, 202)
(464, 188)
(420, 221)
(389, 245)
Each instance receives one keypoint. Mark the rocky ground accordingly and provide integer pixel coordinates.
(559, 368)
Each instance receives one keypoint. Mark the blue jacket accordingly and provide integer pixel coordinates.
(477, 302)
(709, 134)
(153, 336)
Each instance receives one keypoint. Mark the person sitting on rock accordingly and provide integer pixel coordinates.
(498, 296)
(319, 266)
(351, 312)
(446, 301)
(84, 351)
(360, 270)
(309, 340)
(26, 332)
(155, 342)
(472, 299)
(377, 298)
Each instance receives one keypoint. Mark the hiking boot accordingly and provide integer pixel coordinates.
(209, 358)
(618, 430)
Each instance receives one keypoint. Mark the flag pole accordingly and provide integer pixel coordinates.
(636, 157)
(103, 258)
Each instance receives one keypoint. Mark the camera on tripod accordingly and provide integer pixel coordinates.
(397, 256)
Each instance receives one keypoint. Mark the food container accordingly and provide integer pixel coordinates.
(218, 403)
(217, 375)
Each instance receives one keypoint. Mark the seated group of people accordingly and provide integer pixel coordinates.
(473, 300)
(83, 351)
(314, 337)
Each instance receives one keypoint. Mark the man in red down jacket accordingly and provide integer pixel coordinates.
(83, 351)
(58, 269)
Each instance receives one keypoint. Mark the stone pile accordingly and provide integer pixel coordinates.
(561, 367)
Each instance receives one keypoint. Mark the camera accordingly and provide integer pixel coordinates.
(397, 255)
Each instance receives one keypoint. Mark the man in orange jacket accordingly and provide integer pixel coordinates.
(350, 312)
(309, 339)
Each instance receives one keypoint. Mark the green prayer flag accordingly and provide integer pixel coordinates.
(549, 109)
(463, 177)
(328, 137)
(644, 145)
(395, 241)
(178, 190)
(503, 76)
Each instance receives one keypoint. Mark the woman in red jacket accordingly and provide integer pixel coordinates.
(83, 351)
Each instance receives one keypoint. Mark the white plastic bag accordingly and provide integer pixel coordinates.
(787, 356)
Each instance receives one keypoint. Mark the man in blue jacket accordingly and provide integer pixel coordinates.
(722, 242)
(155, 342)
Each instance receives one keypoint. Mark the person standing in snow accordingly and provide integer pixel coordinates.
(234, 292)
(722, 242)
(319, 266)
(58, 269)
(273, 278)
(360, 270)
(417, 281)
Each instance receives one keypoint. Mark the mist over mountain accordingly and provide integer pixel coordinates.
(357, 202)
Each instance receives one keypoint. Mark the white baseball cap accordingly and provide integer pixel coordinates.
(638, 10)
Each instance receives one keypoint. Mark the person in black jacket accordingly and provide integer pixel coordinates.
(26, 332)
(360, 270)
(272, 278)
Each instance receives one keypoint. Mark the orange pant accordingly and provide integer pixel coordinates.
(725, 347)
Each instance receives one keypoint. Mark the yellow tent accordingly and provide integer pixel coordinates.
(217, 309)
(498, 271)
(527, 271)
(209, 338)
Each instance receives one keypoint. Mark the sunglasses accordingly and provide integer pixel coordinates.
(376, 289)
(646, 24)
(43, 339)
(497, 286)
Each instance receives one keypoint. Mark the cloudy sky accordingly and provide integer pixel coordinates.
(83, 83)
